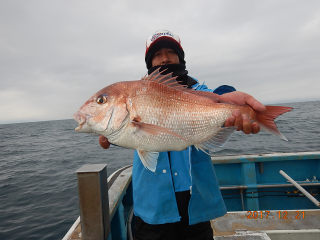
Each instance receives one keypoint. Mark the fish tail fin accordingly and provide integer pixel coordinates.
(266, 119)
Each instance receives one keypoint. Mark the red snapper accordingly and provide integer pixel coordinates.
(156, 114)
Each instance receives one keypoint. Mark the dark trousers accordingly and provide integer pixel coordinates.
(174, 231)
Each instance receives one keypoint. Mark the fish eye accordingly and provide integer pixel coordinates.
(101, 99)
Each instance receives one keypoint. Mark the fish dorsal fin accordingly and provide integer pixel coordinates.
(170, 81)
(164, 79)
(218, 140)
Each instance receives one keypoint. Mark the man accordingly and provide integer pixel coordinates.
(180, 198)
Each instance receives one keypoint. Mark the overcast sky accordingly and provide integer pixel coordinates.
(55, 54)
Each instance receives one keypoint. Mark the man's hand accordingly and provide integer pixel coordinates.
(242, 120)
(104, 143)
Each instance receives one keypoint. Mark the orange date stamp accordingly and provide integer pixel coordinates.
(279, 215)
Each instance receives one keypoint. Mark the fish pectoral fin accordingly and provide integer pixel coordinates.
(149, 159)
(218, 140)
(145, 129)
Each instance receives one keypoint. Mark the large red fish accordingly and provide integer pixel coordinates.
(157, 114)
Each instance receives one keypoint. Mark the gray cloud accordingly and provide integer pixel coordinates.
(55, 54)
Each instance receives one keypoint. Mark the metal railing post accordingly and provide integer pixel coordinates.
(308, 195)
(93, 201)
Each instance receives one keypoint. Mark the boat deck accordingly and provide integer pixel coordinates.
(267, 224)
(237, 225)
(250, 184)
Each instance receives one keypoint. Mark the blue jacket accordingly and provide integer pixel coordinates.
(190, 169)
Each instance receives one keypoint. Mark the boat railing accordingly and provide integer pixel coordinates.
(106, 203)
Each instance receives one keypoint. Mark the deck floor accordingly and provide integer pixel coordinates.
(245, 225)
(239, 225)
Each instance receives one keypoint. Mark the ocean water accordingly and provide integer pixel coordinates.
(38, 160)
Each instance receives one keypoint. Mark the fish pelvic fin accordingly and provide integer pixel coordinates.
(149, 159)
(145, 129)
(218, 140)
(266, 119)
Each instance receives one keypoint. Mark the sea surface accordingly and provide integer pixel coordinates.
(38, 160)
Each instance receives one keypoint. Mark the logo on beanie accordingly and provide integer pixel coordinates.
(161, 34)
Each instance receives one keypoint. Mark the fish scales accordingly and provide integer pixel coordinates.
(185, 114)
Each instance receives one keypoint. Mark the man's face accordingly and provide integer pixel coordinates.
(165, 56)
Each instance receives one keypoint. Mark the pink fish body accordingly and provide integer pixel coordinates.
(156, 114)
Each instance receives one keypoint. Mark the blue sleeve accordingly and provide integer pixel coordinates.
(219, 90)
(224, 89)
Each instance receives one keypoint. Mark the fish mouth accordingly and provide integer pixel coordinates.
(78, 129)
(82, 118)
